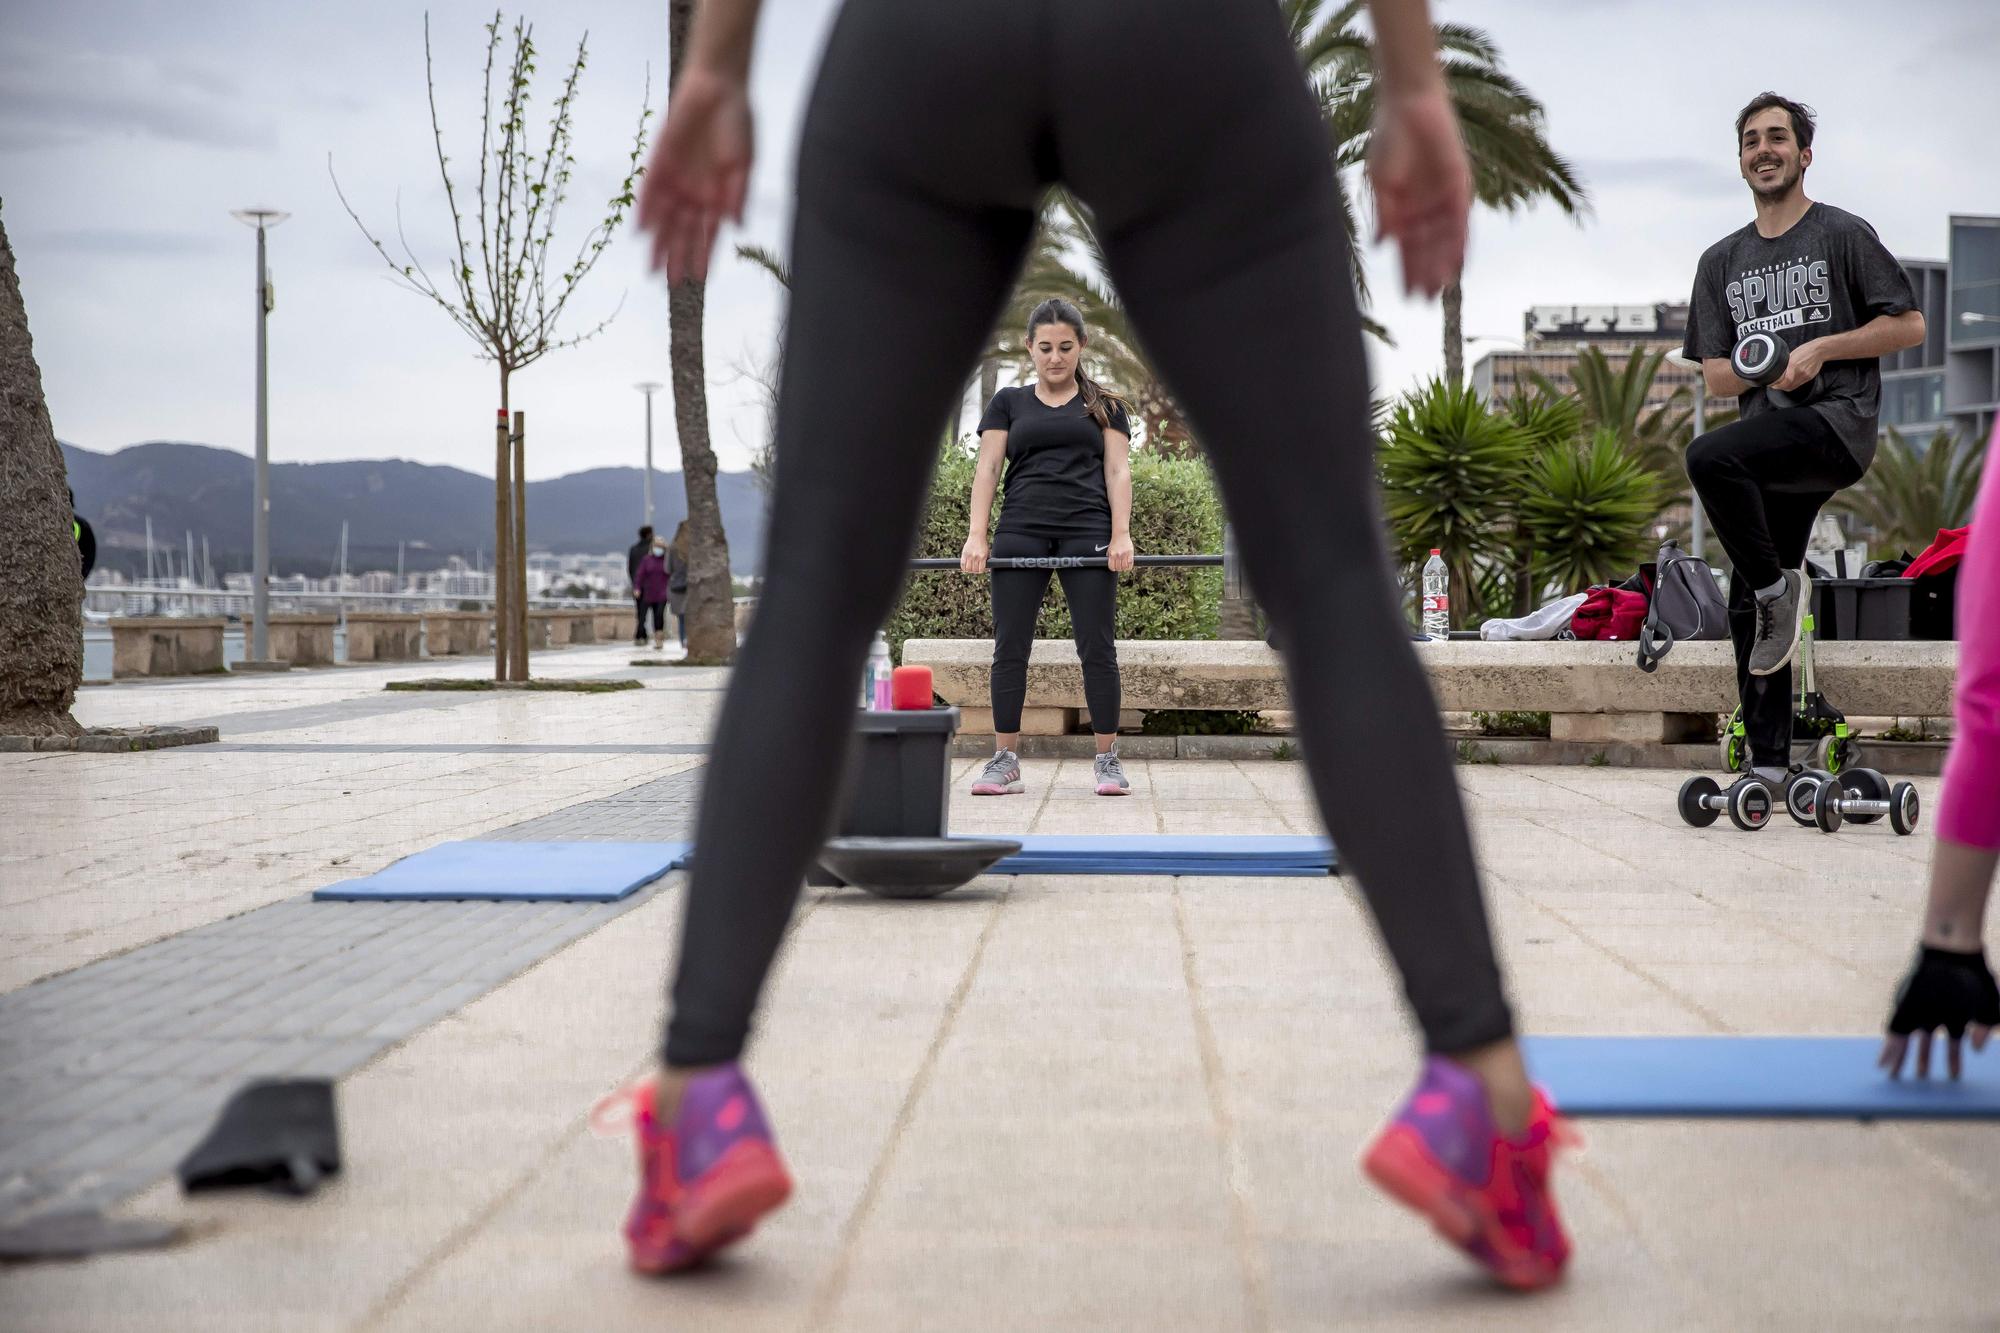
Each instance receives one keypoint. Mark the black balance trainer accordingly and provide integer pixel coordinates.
(896, 811)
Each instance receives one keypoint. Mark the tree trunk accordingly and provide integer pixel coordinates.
(1454, 333)
(711, 602)
(41, 595)
(989, 382)
(503, 530)
(520, 626)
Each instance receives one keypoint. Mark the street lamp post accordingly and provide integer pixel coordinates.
(649, 388)
(260, 568)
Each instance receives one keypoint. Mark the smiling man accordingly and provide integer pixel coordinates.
(1818, 280)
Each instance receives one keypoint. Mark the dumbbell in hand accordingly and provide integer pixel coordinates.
(1760, 358)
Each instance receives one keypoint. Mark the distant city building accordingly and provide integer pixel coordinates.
(1555, 337)
(1951, 381)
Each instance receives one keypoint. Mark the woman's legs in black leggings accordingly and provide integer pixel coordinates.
(1217, 202)
(1092, 595)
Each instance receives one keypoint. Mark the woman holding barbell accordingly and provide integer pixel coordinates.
(1065, 446)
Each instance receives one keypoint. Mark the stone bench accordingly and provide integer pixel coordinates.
(166, 646)
(384, 636)
(457, 633)
(1592, 691)
(301, 639)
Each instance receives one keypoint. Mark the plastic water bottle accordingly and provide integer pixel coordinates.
(880, 673)
(1437, 597)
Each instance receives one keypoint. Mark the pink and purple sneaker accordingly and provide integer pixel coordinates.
(1484, 1191)
(705, 1180)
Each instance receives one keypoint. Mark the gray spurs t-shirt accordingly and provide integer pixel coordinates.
(1828, 274)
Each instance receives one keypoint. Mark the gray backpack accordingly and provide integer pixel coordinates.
(1687, 604)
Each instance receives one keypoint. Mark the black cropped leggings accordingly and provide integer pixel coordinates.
(1092, 595)
(1187, 129)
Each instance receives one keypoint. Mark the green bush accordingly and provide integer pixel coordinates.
(1175, 511)
(1589, 510)
(1512, 723)
(1198, 722)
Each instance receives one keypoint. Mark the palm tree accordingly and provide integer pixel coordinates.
(1513, 166)
(41, 632)
(1909, 494)
(1614, 397)
(711, 603)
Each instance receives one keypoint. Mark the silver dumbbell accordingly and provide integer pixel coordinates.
(1863, 796)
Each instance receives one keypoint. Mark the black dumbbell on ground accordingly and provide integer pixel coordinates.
(1862, 796)
(1801, 789)
(1748, 802)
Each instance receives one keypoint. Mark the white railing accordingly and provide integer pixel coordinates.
(160, 598)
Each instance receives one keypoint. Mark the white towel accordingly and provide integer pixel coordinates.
(1542, 623)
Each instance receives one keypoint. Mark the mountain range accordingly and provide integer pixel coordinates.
(435, 512)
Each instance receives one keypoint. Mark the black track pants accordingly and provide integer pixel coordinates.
(1092, 595)
(926, 149)
(1762, 482)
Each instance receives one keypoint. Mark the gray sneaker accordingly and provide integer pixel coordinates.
(1000, 777)
(1778, 620)
(1111, 775)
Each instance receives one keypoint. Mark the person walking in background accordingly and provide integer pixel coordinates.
(677, 581)
(654, 586)
(632, 559)
(1950, 986)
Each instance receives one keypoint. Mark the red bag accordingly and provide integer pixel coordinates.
(1609, 613)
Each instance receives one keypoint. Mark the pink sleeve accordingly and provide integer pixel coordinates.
(1969, 810)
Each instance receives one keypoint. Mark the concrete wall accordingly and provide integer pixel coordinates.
(384, 637)
(165, 646)
(303, 640)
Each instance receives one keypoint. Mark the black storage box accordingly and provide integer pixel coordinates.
(898, 779)
(1861, 608)
(1934, 605)
(899, 775)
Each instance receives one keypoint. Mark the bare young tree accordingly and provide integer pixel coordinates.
(41, 597)
(502, 290)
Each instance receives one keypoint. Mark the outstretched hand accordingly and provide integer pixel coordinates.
(1944, 989)
(1422, 186)
(698, 173)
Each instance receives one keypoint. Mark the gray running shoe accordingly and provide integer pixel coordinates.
(1111, 775)
(1778, 620)
(1000, 777)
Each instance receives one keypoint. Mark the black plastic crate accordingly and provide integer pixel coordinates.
(899, 774)
(1861, 608)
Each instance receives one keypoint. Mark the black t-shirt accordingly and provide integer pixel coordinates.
(1828, 274)
(1054, 483)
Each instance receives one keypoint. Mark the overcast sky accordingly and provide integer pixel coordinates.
(129, 129)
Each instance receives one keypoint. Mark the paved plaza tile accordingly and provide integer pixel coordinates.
(1036, 1103)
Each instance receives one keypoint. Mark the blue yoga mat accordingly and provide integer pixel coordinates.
(1726, 1077)
(575, 872)
(1158, 854)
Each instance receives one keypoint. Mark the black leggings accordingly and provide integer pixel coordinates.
(1763, 481)
(1092, 595)
(926, 151)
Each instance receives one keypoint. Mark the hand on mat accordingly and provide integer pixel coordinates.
(1422, 187)
(698, 173)
(1944, 989)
